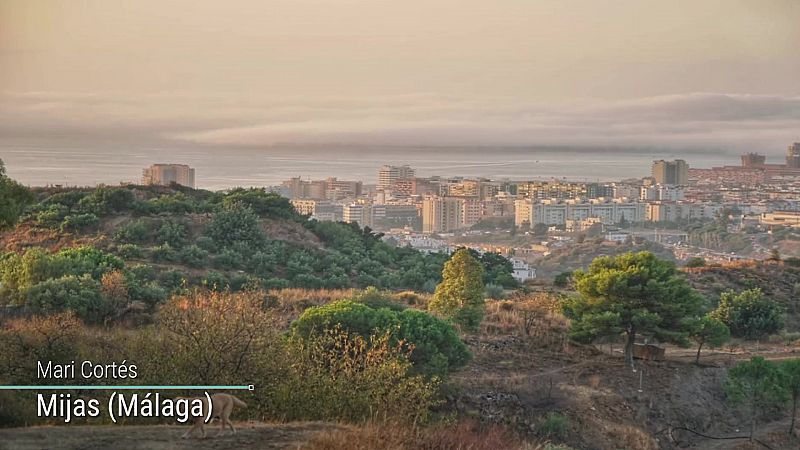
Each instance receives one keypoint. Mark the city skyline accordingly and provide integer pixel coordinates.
(149, 78)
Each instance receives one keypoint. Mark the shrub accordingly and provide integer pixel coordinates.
(130, 251)
(202, 353)
(214, 281)
(194, 256)
(236, 223)
(79, 222)
(553, 425)
(339, 375)
(81, 295)
(435, 347)
(696, 262)
(164, 252)
(39, 338)
(172, 233)
(495, 291)
(757, 385)
(373, 298)
(206, 243)
(173, 279)
(749, 314)
(562, 279)
(136, 231)
(228, 260)
(142, 272)
(83, 260)
(14, 197)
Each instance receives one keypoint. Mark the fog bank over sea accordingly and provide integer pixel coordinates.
(223, 168)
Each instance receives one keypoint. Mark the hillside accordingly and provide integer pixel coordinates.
(780, 281)
(579, 256)
(164, 240)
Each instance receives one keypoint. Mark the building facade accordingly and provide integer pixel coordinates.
(166, 174)
(441, 214)
(389, 175)
(671, 172)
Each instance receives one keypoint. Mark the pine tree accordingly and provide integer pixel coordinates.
(460, 295)
(633, 294)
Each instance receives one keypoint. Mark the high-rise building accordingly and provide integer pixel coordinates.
(793, 156)
(441, 214)
(166, 174)
(359, 212)
(671, 172)
(753, 160)
(388, 175)
(336, 189)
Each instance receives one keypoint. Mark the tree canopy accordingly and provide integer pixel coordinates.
(756, 384)
(435, 347)
(749, 314)
(711, 332)
(460, 295)
(13, 199)
(634, 294)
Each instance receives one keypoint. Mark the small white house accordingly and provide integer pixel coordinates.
(522, 270)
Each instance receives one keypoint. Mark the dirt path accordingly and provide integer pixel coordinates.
(250, 436)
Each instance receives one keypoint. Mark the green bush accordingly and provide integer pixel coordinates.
(553, 425)
(14, 197)
(696, 262)
(164, 252)
(214, 281)
(562, 279)
(749, 314)
(172, 233)
(79, 222)
(236, 223)
(373, 298)
(173, 279)
(194, 256)
(228, 260)
(265, 204)
(435, 347)
(130, 251)
(81, 295)
(495, 291)
(136, 231)
(103, 201)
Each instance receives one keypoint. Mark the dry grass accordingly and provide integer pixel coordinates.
(387, 436)
(293, 301)
(537, 317)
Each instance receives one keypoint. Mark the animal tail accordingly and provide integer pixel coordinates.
(238, 402)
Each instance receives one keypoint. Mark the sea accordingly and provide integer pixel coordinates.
(224, 168)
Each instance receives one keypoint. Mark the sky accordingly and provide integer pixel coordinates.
(706, 74)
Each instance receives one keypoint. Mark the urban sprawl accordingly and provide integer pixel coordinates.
(526, 220)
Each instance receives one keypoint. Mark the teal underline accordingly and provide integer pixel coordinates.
(124, 387)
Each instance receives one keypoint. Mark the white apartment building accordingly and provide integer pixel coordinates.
(557, 213)
(661, 192)
(388, 175)
(672, 211)
(166, 174)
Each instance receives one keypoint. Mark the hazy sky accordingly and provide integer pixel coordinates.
(704, 73)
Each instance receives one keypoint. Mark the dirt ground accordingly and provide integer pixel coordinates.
(250, 436)
(608, 406)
